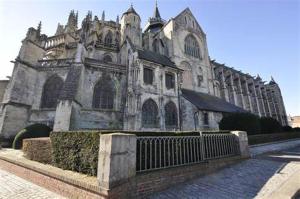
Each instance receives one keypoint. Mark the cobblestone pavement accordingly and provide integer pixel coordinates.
(257, 177)
(13, 187)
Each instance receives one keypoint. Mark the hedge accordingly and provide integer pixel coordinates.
(269, 125)
(264, 138)
(31, 131)
(241, 121)
(78, 150)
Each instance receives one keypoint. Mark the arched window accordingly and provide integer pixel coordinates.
(191, 46)
(108, 38)
(170, 115)
(155, 46)
(51, 92)
(104, 94)
(107, 58)
(150, 114)
(205, 119)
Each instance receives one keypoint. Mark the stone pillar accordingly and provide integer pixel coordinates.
(224, 88)
(232, 90)
(65, 115)
(261, 102)
(243, 143)
(248, 94)
(116, 160)
(255, 99)
(241, 93)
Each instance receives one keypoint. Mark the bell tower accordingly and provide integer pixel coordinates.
(131, 27)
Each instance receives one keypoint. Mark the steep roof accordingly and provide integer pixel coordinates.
(131, 10)
(204, 101)
(156, 13)
(156, 58)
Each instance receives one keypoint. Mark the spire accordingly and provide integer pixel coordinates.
(272, 81)
(39, 27)
(103, 16)
(76, 19)
(258, 77)
(155, 23)
(156, 11)
(117, 20)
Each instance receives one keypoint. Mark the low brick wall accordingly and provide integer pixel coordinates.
(66, 183)
(38, 149)
(140, 186)
(264, 138)
(145, 184)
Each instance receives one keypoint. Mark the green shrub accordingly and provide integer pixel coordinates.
(270, 125)
(241, 121)
(31, 131)
(264, 138)
(296, 129)
(76, 151)
(287, 129)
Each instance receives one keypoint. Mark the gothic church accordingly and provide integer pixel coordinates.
(113, 75)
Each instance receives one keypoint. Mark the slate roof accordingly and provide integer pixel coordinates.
(131, 10)
(156, 58)
(204, 101)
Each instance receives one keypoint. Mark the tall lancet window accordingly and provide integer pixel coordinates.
(108, 38)
(191, 46)
(170, 115)
(51, 92)
(104, 94)
(150, 114)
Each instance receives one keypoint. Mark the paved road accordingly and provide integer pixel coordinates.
(13, 187)
(257, 177)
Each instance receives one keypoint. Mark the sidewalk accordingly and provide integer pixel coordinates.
(264, 176)
(13, 187)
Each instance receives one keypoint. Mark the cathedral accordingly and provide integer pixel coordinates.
(109, 74)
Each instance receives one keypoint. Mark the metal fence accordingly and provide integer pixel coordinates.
(170, 151)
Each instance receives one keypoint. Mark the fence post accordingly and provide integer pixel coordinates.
(117, 159)
(243, 142)
(202, 146)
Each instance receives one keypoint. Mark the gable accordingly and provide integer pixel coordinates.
(187, 20)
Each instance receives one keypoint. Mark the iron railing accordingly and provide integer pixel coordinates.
(170, 151)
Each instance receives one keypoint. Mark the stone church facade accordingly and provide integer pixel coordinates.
(114, 75)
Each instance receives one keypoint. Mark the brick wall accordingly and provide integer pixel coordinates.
(52, 183)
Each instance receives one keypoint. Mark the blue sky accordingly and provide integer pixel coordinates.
(255, 36)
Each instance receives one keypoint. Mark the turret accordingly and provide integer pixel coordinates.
(131, 27)
(103, 16)
(72, 22)
(86, 25)
(155, 23)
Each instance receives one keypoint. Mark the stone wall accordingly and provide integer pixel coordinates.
(3, 85)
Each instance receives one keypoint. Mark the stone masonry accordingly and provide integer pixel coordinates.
(109, 74)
